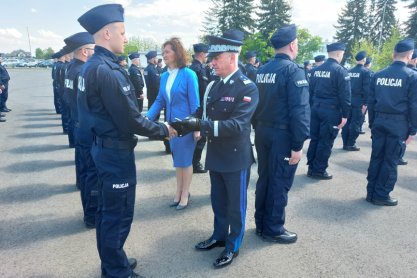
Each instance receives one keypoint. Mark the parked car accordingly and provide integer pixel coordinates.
(45, 64)
(10, 63)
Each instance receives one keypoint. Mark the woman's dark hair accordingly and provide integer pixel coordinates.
(181, 56)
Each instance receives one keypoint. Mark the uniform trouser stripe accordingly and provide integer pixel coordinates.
(243, 199)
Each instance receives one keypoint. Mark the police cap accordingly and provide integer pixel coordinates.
(98, 17)
(65, 50)
(319, 58)
(200, 47)
(56, 55)
(230, 41)
(361, 55)
(79, 39)
(284, 36)
(250, 54)
(368, 60)
(404, 45)
(336, 46)
(306, 63)
(121, 58)
(151, 54)
(134, 55)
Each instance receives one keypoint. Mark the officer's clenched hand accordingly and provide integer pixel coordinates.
(409, 139)
(342, 123)
(172, 131)
(295, 157)
(179, 128)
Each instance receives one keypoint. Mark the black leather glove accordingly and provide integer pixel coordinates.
(191, 123)
(179, 128)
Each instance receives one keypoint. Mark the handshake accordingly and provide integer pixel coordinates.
(186, 125)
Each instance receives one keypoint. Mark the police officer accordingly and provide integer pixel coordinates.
(136, 78)
(60, 75)
(250, 65)
(412, 65)
(108, 107)
(82, 46)
(368, 65)
(282, 122)
(67, 120)
(319, 60)
(393, 119)
(159, 67)
(4, 87)
(151, 78)
(57, 100)
(359, 79)
(198, 66)
(227, 113)
(122, 61)
(330, 92)
(2, 116)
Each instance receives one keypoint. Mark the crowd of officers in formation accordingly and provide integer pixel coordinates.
(101, 104)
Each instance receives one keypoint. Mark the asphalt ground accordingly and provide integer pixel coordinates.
(42, 233)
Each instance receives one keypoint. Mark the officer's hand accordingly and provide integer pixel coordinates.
(2, 87)
(141, 97)
(295, 157)
(342, 123)
(197, 135)
(191, 123)
(409, 139)
(364, 107)
(172, 132)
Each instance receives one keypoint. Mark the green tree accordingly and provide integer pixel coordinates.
(351, 24)
(39, 53)
(384, 57)
(307, 45)
(230, 14)
(384, 21)
(48, 52)
(136, 44)
(272, 15)
(256, 42)
(367, 45)
(411, 23)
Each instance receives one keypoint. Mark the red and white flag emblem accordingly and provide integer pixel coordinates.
(247, 99)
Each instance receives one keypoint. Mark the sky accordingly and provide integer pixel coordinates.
(48, 22)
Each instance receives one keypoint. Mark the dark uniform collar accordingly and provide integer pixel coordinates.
(411, 66)
(282, 56)
(105, 52)
(332, 60)
(399, 63)
(195, 61)
(78, 61)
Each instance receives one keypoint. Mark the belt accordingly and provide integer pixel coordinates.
(115, 143)
(325, 105)
(400, 117)
(272, 124)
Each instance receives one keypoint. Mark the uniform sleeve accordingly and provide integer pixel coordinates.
(299, 109)
(311, 86)
(123, 110)
(343, 82)
(365, 85)
(157, 106)
(192, 90)
(371, 102)
(240, 118)
(412, 105)
(155, 79)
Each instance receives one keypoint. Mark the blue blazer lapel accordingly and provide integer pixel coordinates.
(176, 83)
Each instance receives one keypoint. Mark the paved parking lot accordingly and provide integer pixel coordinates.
(42, 233)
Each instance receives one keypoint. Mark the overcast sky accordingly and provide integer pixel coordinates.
(50, 21)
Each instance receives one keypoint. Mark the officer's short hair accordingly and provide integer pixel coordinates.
(181, 56)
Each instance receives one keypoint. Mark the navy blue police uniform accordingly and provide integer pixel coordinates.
(65, 112)
(4, 83)
(226, 122)
(203, 80)
(330, 91)
(54, 70)
(392, 111)
(360, 80)
(152, 80)
(108, 107)
(371, 74)
(402, 161)
(307, 71)
(250, 69)
(137, 80)
(282, 122)
(85, 169)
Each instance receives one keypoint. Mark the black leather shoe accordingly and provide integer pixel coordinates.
(6, 110)
(198, 168)
(89, 225)
(132, 263)
(2, 120)
(402, 162)
(258, 232)
(284, 238)
(385, 202)
(368, 198)
(2, 115)
(225, 258)
(351, 148)
(209, 244)
(321, 176)
(309, 173)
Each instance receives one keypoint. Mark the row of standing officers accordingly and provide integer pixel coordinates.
(108, 115)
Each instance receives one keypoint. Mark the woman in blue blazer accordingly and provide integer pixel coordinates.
(178, 93)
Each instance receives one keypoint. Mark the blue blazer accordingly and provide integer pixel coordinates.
(184, 99)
